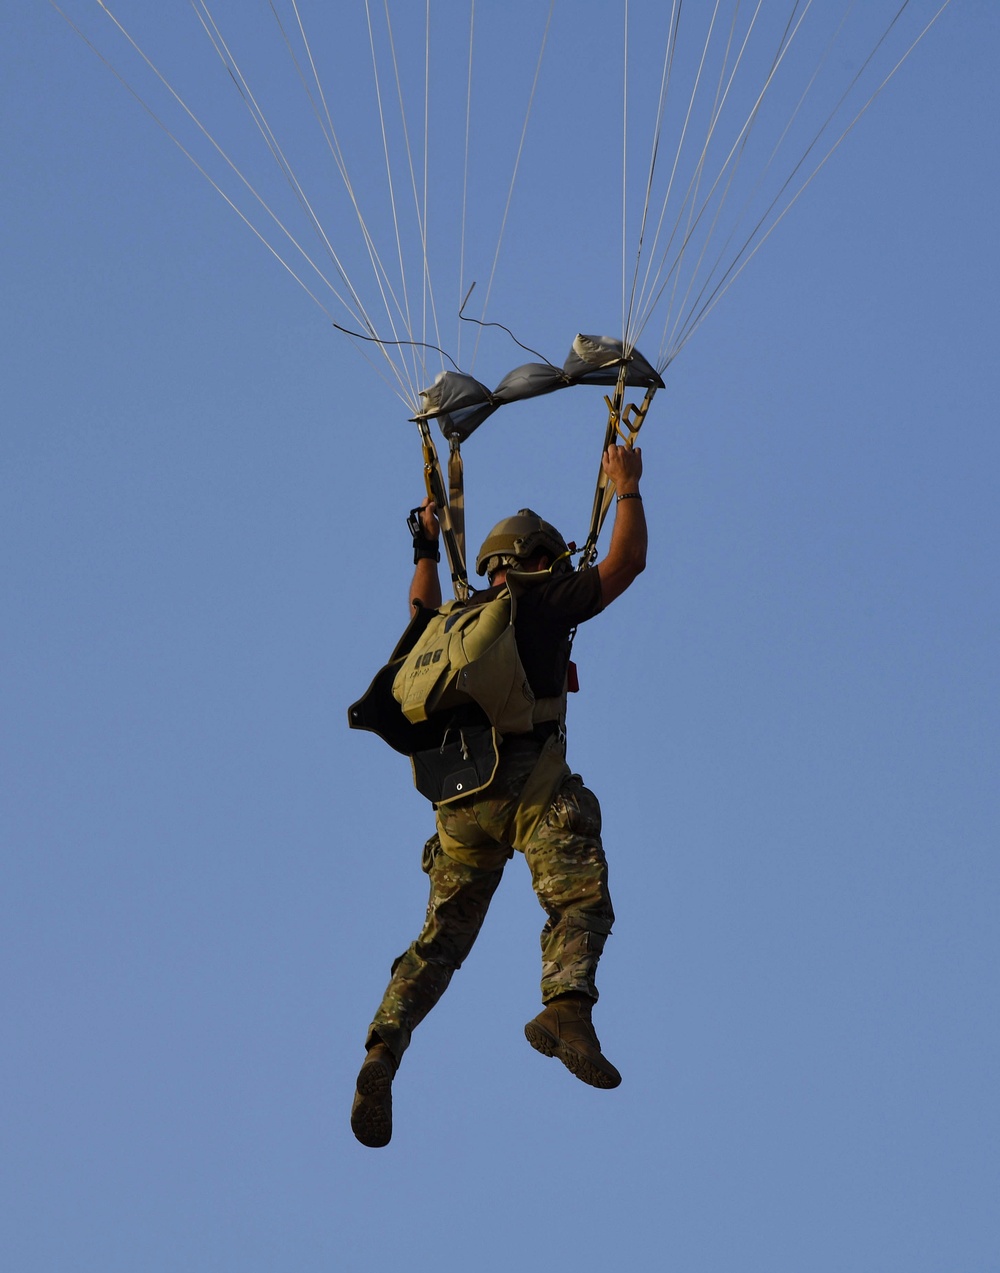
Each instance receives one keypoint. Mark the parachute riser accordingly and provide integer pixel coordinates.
(450, 502)
(611, 432)
(624, 423)
(456, 495)
(632, 419)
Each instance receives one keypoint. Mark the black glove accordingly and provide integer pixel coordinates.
(423, 545)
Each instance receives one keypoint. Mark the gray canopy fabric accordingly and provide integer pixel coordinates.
(460, 403)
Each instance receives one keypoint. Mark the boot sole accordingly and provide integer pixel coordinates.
(371, 1113)
(580, 1066)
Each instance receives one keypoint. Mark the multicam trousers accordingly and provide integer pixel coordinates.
(569, 874)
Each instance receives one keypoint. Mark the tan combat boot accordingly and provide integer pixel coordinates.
(563, 1029)
(371, 1113)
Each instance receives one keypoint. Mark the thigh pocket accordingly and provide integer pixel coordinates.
(576, 809)
(431, 849)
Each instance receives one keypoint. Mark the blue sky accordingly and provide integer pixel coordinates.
(791, 720)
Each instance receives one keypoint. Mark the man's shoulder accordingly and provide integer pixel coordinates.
(574, 595)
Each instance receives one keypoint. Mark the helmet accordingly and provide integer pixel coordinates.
(519, 538)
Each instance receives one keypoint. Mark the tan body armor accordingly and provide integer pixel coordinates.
(450, 662)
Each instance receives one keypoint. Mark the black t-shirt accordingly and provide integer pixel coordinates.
(546, 613)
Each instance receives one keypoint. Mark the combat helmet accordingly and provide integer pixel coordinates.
(519, 538)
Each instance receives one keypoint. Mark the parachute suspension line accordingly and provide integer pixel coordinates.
(428, 293)
(420, 211)
(426, 175)
(513, 177)
(325, 122)
(627, 307)
(722, 93)
(624, 171)
(733, 162)
(453, 526)
(744, 257)
(450, 501)
(330, 134)
(407, 317)
(690, 198)
(727, 169)
(673, 28)
(199, 166)
(689, 308)
(465, 179)
(212, 181)
(225, 55)
(455, 543)
(668, 56)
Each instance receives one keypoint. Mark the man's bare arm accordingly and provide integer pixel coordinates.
(425, 590)
(626, 557)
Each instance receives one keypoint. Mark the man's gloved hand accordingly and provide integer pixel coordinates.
(425, 529)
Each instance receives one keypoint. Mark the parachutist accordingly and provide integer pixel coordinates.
(492, 673)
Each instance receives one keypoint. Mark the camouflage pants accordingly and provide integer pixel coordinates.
(569, 874)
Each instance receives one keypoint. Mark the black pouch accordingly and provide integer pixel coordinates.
(464, 763)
